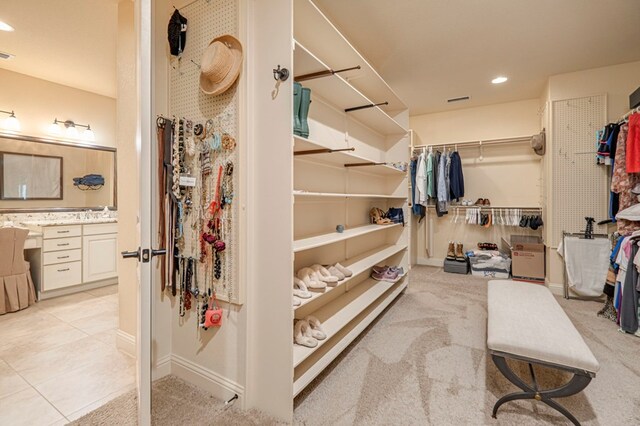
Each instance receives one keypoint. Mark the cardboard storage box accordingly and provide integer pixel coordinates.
(456, 267)
(527, 258)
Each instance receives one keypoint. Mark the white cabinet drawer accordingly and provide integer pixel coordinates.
(100, 228)
(58, 244)
(62, 275)
(54, 257)
(62, 231)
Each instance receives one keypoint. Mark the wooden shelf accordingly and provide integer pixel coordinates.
(341, 94)
(326, 359)
(334, 237)
(298, 193)
(342, 311)
(314, 30)
(358, 265)
(341, 158)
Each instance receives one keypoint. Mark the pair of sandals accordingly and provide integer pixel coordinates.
(378, 217)
(308, 332)
(317, 278)
(533, 222)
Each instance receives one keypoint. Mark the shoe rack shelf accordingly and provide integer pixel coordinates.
(358, 265)
(343, 158)
(340, 172)
(334, 237)
(371, 298)
(308, 194)
(318, 34)
(340, 312)
(341, 94)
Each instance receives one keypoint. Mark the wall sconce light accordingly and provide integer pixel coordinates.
(11, 123)
(71, 132)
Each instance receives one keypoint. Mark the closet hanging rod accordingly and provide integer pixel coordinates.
(325, 73)
(525, 209)
(365, 106)
(519, 139)
(364, 164)
(628, 114)
(322, 151)
(189, 4)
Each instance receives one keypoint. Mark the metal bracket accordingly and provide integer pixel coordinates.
(280, 74)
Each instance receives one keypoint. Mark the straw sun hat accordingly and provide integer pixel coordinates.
(220, 65)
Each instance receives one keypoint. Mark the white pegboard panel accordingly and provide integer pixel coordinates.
(208, 19)
(579, 184)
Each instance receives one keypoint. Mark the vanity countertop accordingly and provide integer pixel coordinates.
(59, 222)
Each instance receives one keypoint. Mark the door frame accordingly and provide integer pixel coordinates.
(143, 30)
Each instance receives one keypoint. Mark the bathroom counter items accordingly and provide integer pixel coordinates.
(58, 222)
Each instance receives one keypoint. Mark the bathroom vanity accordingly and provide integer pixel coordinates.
(72, 255)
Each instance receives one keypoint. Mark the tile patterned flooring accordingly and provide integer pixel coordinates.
(58, 359)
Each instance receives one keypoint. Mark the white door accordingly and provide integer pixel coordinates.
(142, 254)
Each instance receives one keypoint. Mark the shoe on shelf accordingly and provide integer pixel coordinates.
(376, 216)
(479, 202)
(451, 251)
(311, 279)
(305, 103)
(316, 328)
(399, 270)
(300, 289)
(302, 334)
(388, 275)
(297, 101)
(459, 254)
(324, 275)
(345, 271)
(380, 269)
(335, 272)
(296, 301)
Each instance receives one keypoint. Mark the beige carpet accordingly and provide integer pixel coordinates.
(424, 363)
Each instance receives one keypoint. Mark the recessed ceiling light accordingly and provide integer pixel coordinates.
(5, 27)
(499, 80)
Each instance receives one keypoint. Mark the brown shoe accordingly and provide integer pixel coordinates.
(486, 202)
(451, 254)
(459, 253)
(480, 202)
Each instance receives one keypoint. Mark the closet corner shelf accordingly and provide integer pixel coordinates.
(355, 301)
(334, 237)
(358, 265)
(312, 27)
(341, 94)
(298, 193)
(343, 157)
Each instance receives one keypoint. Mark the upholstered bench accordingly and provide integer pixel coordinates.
(526, 323)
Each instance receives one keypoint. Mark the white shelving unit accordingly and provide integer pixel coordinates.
(338, 186)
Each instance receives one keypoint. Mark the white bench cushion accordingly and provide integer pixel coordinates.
(525, 320)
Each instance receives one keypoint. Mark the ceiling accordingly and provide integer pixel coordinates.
(433, 50)
(70, 42)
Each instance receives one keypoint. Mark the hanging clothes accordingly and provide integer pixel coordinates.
(456, 177)
(442, 190)
(413, 166)
(447, 177)
(622, 182)
(437, 160)
(431, 180)
(629, 302)
(633, 144)
(421, 180)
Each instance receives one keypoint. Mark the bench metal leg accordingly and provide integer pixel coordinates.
(577, 383)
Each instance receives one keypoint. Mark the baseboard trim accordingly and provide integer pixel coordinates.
(557, 289)
(217, 385)
(161, 368)
(126, 343)
(431, 261)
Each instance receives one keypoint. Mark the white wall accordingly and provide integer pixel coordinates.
(508, 175)
(37, 102)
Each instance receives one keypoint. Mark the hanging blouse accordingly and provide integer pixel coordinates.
(633, 144)
(622, 182)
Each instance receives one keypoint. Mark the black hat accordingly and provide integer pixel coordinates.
(177, 31)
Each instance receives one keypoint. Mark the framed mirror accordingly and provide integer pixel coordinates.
(38, 174)
(30, 177)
